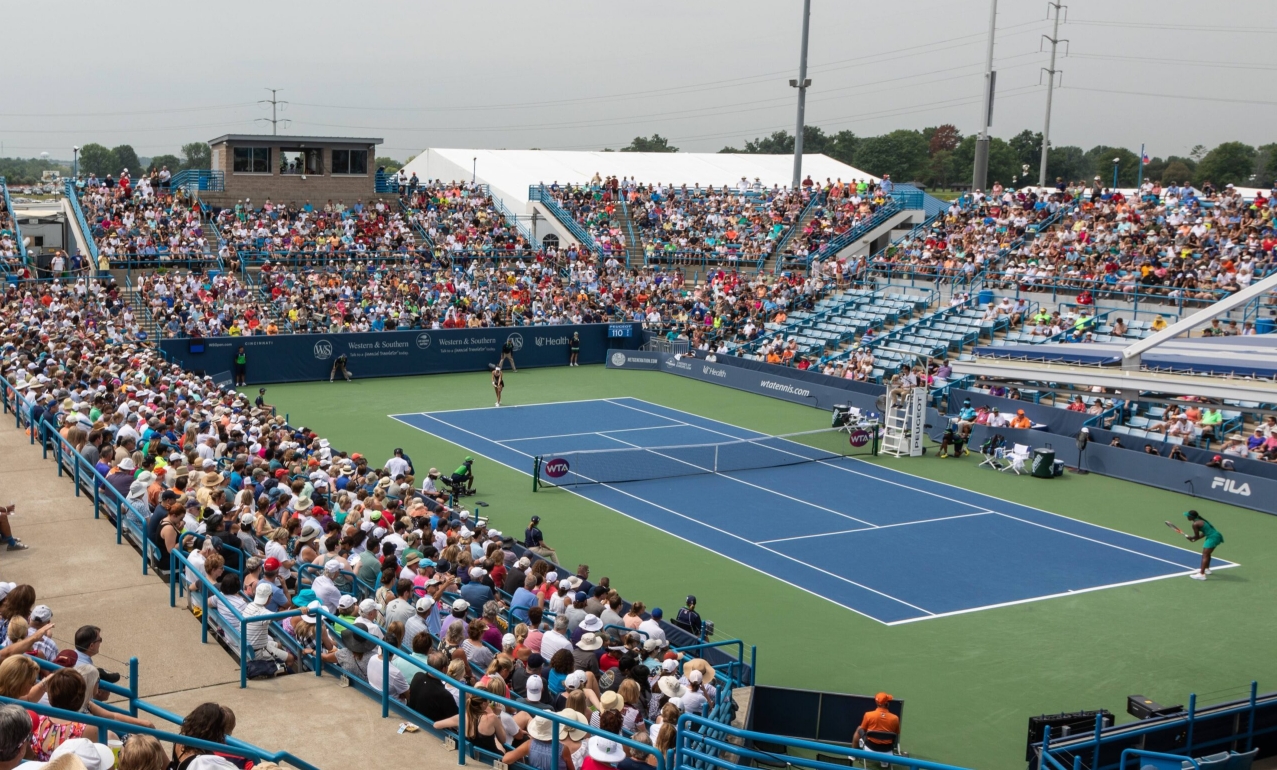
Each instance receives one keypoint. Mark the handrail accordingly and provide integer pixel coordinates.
(198, 179)
(509, 216)
(541, 194)
(17, 231)
(386, 649)
(695, 732)
(818, 198)
(233, 747)
(68, 187)
(857, 231)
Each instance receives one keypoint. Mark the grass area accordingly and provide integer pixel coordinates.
(971, 681)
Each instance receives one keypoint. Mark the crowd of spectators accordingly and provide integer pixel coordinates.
(274, 516)
(462, 219)
(142, 224)
(312, 234)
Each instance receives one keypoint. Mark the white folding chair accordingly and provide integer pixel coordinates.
(995, 459)
(1018, 455)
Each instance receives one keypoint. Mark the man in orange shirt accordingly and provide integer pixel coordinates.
(878, 720)
(1020, 421)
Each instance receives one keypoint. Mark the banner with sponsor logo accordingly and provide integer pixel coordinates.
(633, 359)
(307, 357)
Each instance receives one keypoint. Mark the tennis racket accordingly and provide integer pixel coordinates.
(1177, 529)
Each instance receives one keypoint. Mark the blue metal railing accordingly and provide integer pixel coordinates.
(198, 180)
(817, 199)
(17, 231)
(68, 188)
(1229, 726)
(860, 230)
(386, 182)
(543, 194)
(701, 743)
(510, 217)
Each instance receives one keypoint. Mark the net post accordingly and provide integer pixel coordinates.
(877, 438)
(536, 472)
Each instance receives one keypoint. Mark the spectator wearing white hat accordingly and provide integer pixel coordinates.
(457, 615)
(420, 622)
(537, 751)
(325, 587)
(262, 643)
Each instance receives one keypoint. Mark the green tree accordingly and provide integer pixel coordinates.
(940, 169)
(901, 153)
(1229, 163)
(1266, 165)
(1100, 163)
(390, 164)
(1027, 146)
(96, 159)
(1176, 171)
(1003, 164)
(123, 157)
(29, 171)
(815, 140)
(656, 143)
(842, 146)
(197, 155)
(160, 161)
(1067, 162)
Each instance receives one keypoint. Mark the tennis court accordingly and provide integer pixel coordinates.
(880, 542)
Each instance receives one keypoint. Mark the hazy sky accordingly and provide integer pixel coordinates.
(569, 74)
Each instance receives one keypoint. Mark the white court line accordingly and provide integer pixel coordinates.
(741, 481)
(880, 526)
(924, 480)
(490, 409)
(747, 565)
(929, 616)
(1073, 592)
(586, 433)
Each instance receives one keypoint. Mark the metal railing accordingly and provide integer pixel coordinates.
(1228, 726)
(17, 231)
(701, 744)
(198, 180)
(543, 194)
(386, 182)
(867, 225)
(817, 199)
(73, 196)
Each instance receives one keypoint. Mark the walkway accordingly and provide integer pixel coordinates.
(86, 579)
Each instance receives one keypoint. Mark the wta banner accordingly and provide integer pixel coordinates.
(308, 357)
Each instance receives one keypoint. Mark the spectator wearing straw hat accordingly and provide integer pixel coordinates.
(537, 750)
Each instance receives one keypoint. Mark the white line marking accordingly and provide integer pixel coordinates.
(931, 481)
(489, 409)
(586, 433)
(746, 483)
(623, 513)
(1071, 592)
(1093, 540)
(930, 616)
(881, 526)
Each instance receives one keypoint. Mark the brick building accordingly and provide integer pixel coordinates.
(293, 169)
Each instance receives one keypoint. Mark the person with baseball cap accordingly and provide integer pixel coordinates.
(534, 541)
(688, 618)
(880, 721)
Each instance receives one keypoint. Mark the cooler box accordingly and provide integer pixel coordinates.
(1044, 463)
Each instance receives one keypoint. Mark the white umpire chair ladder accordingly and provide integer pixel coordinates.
(904, 422)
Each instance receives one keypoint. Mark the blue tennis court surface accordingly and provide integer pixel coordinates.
(888, 545)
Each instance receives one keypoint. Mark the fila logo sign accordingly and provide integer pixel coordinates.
(1228, 485)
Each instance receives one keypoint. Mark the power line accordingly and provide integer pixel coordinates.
(125, 112)
(275, 104)
(1187, 62)
(1164, 26)
(1175, 96)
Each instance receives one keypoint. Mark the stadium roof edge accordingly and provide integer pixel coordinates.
(291, 139)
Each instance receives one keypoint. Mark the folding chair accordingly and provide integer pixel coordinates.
(995, 458)
(1017, 457)
(881, 742)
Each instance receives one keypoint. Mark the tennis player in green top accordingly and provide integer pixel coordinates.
(1203, 530)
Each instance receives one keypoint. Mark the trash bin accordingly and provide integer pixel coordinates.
(1263, 326)
(1044, 463)
(984, 297)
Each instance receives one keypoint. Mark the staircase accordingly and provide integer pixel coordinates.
(145, 321)
(634, 254)
(808, 213)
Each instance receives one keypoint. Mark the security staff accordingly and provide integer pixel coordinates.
(689, 619)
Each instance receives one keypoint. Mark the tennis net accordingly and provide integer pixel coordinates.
(615, 466)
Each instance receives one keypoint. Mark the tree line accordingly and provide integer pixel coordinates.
(940, 156)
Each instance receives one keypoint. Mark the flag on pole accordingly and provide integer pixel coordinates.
(1146, 160)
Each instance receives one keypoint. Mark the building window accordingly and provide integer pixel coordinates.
(550, 241)
(300, 161)
(252, 160)
(350, 161)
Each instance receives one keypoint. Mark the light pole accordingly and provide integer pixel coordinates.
(801, 84)
(980, 177)
(1116, 161)
(75, 163)
(474, 170)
